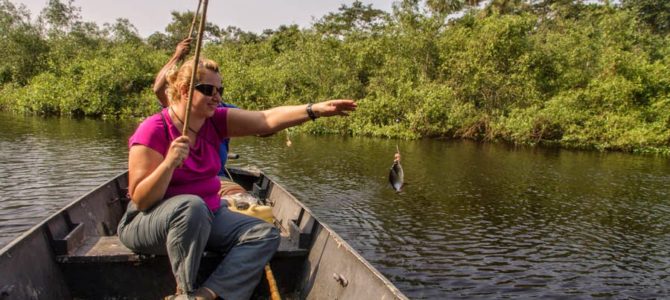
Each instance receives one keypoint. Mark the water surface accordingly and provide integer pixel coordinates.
(475, 220)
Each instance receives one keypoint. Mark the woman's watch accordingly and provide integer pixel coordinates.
(310, 112)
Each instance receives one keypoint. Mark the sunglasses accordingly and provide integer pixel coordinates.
(208, 89)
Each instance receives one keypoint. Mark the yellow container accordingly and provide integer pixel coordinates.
(262, 212)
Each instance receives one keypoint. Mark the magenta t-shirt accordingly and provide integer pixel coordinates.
(198, 175)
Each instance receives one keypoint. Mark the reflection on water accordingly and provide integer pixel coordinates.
(487, 221)
(474, 221)
(47, 163)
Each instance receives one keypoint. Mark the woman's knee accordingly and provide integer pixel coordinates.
(190, 208)
(263, 233)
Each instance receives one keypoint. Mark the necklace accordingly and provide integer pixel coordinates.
(180, 121)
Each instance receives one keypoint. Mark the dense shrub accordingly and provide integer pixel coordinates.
(567, 73)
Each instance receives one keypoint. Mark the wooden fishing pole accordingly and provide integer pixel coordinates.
(196, 60)
(198, 45)
(195, 17)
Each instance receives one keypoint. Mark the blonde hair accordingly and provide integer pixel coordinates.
(178, 78)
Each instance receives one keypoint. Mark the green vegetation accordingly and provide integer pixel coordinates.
(570, 73)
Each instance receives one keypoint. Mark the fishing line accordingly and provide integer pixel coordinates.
(288, 138)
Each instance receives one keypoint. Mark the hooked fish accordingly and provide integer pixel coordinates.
(396, 176)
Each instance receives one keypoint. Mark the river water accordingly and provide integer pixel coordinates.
(475, 220)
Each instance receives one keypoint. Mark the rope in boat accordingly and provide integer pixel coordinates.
(228, 172)
(274, 291)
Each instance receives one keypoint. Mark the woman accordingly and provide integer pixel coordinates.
(175, 207)
(160, 89)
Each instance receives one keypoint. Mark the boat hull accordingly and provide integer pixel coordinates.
(75, 254)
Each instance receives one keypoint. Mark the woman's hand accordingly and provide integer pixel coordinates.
(183, 48)
(339, 107)
(178, 152)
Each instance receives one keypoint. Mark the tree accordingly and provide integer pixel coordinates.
(357, 17)
(656, 13)
(178, 29)
(123, 31)
(445, 7)
(159, 40)
(237, 35)
(58, 18)
(507, 6)
(22, 45)
(284, 38)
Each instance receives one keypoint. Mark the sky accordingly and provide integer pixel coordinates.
(150, 16)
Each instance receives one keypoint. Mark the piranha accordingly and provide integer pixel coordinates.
(396, 174)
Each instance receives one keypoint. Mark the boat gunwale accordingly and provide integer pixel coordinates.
(42, 227)
(337, 238)
(44, 223)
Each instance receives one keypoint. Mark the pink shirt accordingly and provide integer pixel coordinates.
(198, 175)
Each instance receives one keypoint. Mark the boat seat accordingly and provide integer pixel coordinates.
(104, 249)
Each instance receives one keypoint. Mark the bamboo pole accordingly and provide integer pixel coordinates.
(195, 17)
(198, 45)
(196, 59)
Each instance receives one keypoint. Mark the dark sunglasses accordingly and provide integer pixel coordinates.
(208, 89)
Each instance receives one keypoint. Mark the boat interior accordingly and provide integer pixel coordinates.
(76, 254)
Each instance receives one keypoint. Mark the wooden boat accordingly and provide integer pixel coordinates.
(75, 254)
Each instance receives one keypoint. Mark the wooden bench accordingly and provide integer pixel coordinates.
(109, 249)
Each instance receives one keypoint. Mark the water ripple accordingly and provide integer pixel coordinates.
(475, 221)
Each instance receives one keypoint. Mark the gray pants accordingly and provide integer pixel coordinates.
(183, 227)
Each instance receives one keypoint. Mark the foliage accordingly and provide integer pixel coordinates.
(178, 30)
(655, 13)
(19, 37)
(357, 17)
(572, 73)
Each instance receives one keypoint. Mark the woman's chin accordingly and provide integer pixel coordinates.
(211, 111)
(208, 113)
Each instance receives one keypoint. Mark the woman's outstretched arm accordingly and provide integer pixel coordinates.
(243, 122)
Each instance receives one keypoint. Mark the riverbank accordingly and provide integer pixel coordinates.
(580, 76)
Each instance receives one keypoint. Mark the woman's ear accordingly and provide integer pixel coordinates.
(183, 90)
